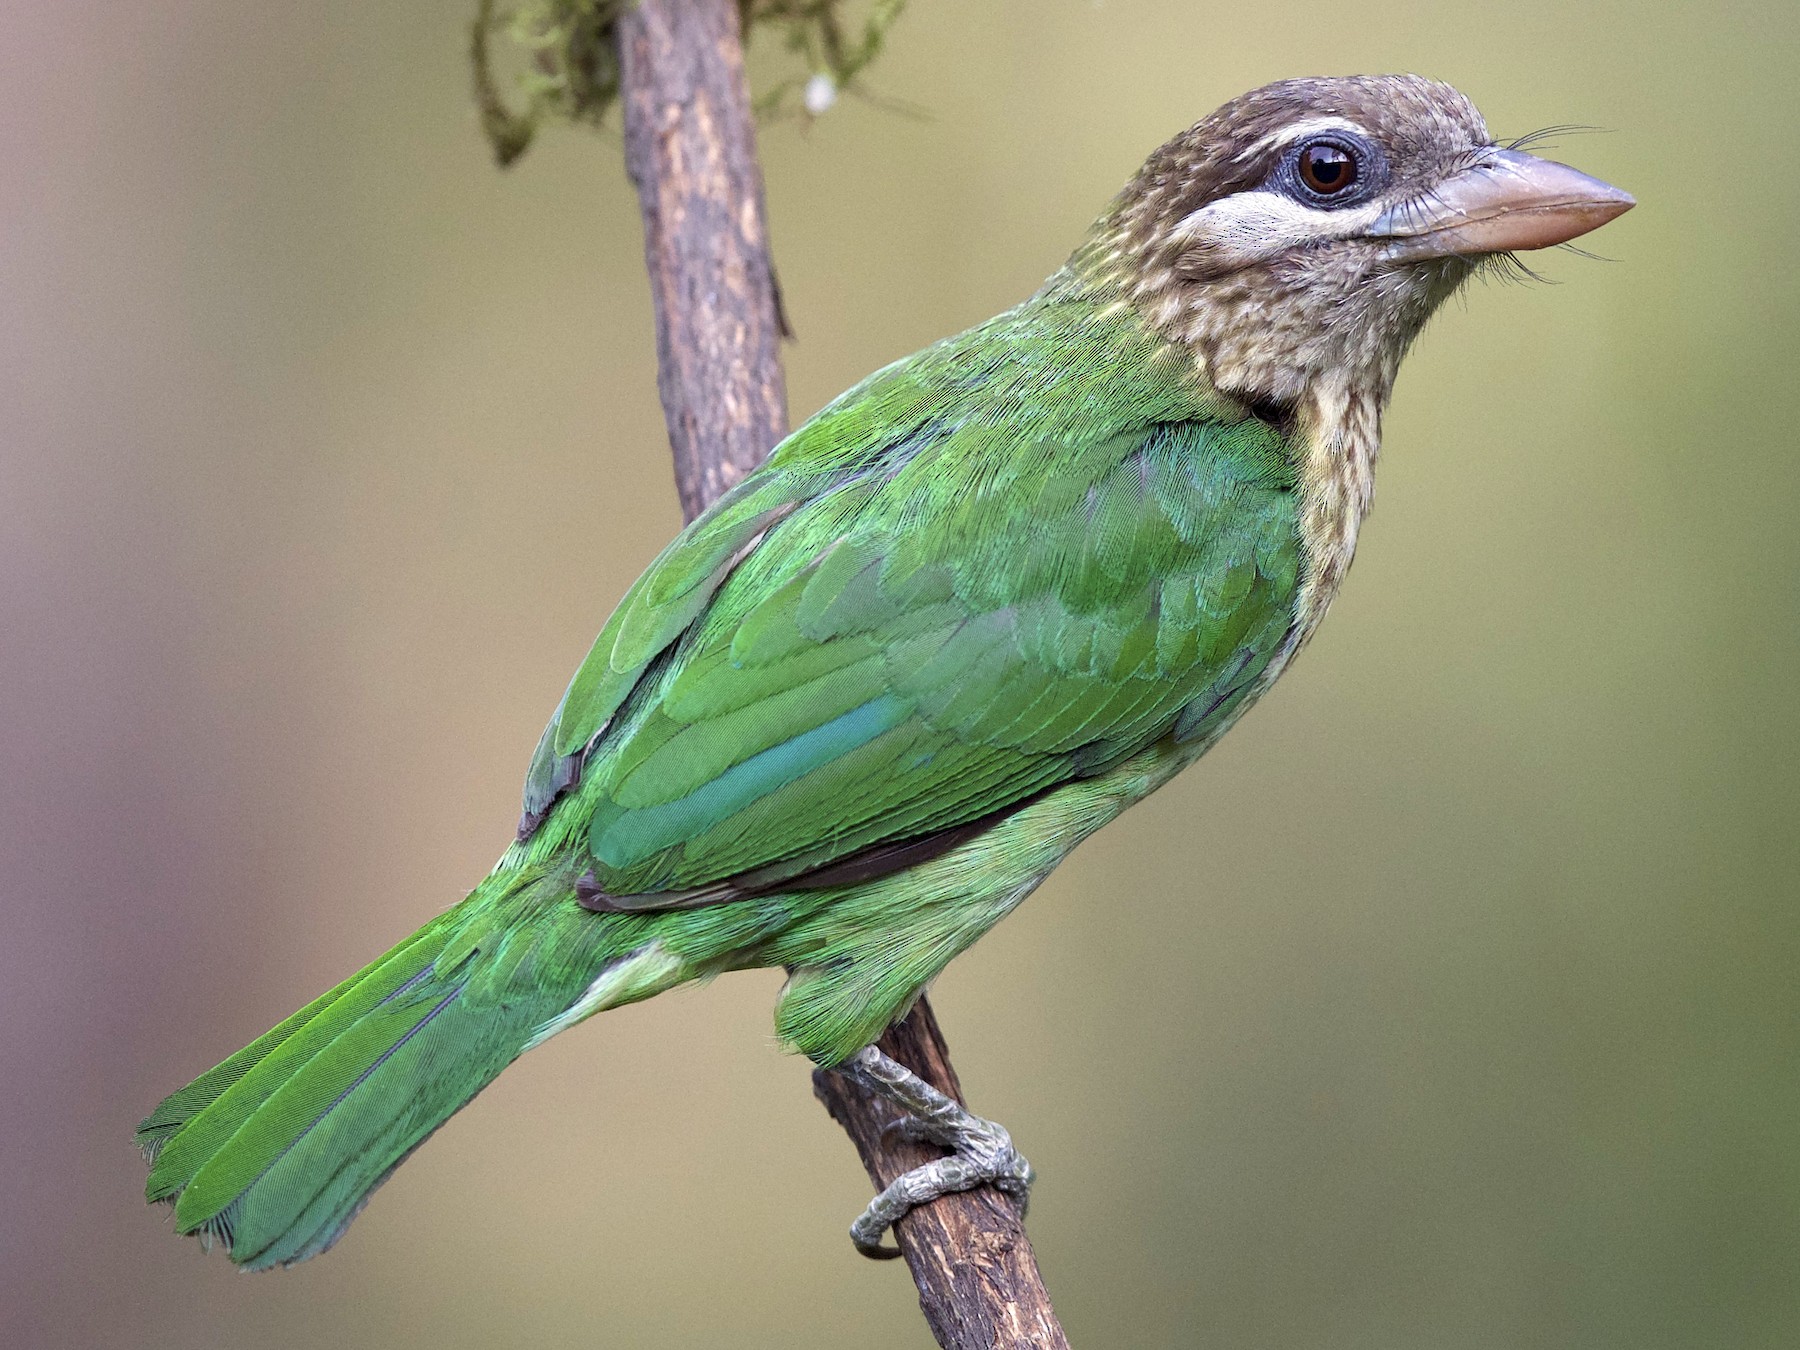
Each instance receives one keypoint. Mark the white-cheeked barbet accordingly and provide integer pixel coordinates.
(963, 617)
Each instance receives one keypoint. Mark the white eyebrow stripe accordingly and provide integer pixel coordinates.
(1313, 126)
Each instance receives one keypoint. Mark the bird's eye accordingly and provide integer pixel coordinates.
(1327, 168)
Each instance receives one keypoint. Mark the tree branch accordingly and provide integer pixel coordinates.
(690, 148)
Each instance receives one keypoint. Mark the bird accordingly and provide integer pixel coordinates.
(966, 615)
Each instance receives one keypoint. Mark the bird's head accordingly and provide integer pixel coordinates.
(1303, 233)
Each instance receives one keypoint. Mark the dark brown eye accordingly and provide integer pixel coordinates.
(1326, 168)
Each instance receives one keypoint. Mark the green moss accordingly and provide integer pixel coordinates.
(571, 60)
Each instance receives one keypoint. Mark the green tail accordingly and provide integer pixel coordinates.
(275, 1151)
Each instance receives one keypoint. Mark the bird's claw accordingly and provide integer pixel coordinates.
(981, 1152)
(984, 1156)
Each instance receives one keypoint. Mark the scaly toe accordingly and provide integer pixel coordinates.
(994, 1161)
(982, 1152)
(916, 1131)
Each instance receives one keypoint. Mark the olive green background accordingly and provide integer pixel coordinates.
(1451, 1002)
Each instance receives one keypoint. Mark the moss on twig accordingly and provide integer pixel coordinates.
(571, 58)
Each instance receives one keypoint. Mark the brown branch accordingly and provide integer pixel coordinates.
(690, 148)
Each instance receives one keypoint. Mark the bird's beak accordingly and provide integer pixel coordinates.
(1508, 201)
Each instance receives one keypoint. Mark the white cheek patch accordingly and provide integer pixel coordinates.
(1250, 227)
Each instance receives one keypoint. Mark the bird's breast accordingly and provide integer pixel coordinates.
(1340, 432)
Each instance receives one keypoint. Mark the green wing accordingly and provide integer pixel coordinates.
(921, 644)
(661, 605)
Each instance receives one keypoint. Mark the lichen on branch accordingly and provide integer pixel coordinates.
(569, 59)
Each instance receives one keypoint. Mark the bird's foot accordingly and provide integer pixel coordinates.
(982, 1152)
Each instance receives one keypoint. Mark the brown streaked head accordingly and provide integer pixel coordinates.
(1303, 233)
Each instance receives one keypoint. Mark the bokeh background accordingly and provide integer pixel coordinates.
(1451, 1003)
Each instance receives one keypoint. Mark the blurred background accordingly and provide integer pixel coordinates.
(1451, 1003)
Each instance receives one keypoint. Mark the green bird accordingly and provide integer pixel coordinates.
(966, 615)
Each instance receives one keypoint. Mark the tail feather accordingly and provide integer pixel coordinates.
(277, 1149)
(312, 1171)
(191, 1126)
(178, 1108)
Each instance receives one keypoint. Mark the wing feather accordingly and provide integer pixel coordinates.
(882, 674)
